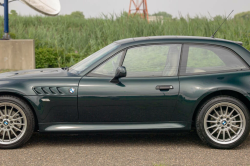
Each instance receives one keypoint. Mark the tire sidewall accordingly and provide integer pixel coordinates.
(201, 117)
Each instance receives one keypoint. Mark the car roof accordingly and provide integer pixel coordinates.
(153, 38)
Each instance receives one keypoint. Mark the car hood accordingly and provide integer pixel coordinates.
(50, 72)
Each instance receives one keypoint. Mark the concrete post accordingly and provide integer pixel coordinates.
(17, 54)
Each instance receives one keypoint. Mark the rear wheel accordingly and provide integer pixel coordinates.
(223, 122)
(16, 122)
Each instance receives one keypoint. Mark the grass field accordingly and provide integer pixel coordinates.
(64, 40)
(4, 71)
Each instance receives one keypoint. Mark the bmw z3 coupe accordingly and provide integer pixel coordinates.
(163, 83)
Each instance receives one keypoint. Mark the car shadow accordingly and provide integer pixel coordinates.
(190, 139)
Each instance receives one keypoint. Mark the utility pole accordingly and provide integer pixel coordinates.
(139, 7)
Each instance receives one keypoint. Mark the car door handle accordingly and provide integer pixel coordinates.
(164, 87)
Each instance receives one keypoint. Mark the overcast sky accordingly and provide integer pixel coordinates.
(94, 8)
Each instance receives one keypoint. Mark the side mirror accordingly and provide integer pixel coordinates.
(120, 72)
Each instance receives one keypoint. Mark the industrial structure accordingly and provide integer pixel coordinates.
(139, 7)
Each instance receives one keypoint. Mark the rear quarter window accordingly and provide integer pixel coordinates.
(209, 59)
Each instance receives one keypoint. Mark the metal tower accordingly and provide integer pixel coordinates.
(139, 7)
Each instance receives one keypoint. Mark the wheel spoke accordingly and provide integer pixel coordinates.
(3, 135)
(236, 121)
(18, 118)
(20, 124)
(226, 111)
(231, 112)
(211, 121)
(236, 127)
(218, 134)
(221, 111)
(1, 113)
(228, 133)
(213, 116)
(17, 129)
(232, 131)
(215, 131)
(212, 126)
(217, 113)
(11, 111)
(9, 135)
(224, 133)
(5, 110)
(235, 116)
(13, 133)
(15, 114)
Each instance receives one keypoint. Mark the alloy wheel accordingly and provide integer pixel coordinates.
(224, 123)
(13, 123)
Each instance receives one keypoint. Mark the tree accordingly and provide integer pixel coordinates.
(243, 15)
(77, 14)
(13, 13)
(164, 14)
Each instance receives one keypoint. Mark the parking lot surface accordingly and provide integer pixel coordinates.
(122, 149)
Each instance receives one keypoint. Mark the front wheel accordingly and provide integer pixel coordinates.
(16, 122)
(223, 122)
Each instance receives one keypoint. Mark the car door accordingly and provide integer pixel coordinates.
(148, 93)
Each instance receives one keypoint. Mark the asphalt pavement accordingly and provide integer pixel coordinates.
(122, 149)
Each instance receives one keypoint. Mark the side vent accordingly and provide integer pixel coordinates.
(50, 90)
(44, 91)
(37, 91)
(59, 91)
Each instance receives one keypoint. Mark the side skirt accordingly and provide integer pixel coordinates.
(83, 127)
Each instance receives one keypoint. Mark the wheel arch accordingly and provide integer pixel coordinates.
(19, 95)
(233, 93)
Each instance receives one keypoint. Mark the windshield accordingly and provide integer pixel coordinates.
(84, 64)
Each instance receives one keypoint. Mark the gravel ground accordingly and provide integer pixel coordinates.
(114, 149)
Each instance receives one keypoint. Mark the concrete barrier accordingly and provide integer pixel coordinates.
(17, 54)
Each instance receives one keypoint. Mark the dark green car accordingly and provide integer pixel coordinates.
(162, 83)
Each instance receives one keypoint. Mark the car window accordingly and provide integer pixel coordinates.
(153, 60)
(109, 67)
(90, 60)
(207, 59)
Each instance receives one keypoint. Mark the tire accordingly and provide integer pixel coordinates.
(226, 129)
(16, 122)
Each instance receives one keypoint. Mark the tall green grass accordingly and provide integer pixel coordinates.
(69, 36)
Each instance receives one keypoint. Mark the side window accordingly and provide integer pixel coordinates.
(153, 60)
(109, 67)
(207, 59)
